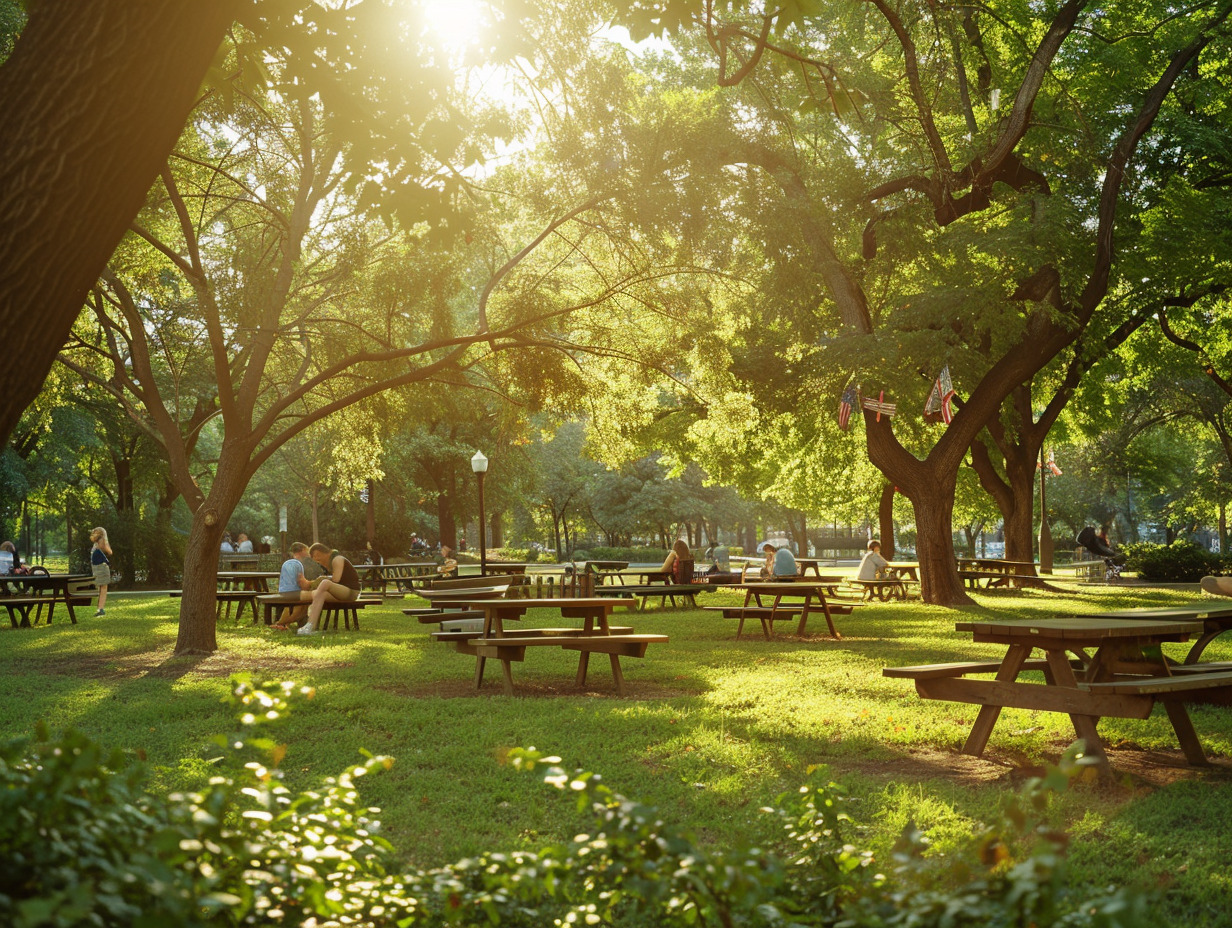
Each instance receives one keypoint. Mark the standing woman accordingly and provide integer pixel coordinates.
(100, 564)
(340, 585)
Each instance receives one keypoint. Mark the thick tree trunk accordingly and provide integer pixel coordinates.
(885, 521)
(496, 531)
(934, 513)
(448, 529)
(198, 622)
(91, 100)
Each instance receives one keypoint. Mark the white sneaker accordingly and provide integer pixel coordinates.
(306, 630)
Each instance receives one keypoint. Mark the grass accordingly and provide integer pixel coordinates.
(712, 729)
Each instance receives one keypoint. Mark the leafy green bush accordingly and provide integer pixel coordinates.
(1179, 562)
(87, 845)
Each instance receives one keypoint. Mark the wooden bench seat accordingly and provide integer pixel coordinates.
(883, 589)
(514, 648)
(22, 605)
(436, 616)
(957, 669)
(1164, 686)
(350, 611)
(528, 633)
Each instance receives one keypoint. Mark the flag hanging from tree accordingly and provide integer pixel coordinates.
(851, 398)
(938, 408)
(1051, 464)
(879, 406)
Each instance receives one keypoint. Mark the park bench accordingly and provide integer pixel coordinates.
(225, 599)
(272, 602)
(22, 605)
(972, 578)
(468, 635)
(1194, 685)
(956, 669)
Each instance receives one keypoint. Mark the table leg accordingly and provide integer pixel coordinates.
(1084, 725)
(617, 675)
(583, 664)
(804, 613)
(479, 665)
(984, 722)
(1185, 733)
(507, 672)
(1195, 653)
(68, 601)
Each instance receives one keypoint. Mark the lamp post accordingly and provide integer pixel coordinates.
(479, 464)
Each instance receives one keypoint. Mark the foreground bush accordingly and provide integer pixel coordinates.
(85, 844)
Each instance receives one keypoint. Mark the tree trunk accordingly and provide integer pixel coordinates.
(371, 526)
(495, 531)
(198, 621)
(92, 100)
(1223, 528)
(447, 528)
(316, 530)
(885, 521)
(934, 512)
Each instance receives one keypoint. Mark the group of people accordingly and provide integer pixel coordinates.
(241, 545)
(781, 564)
(319, 575)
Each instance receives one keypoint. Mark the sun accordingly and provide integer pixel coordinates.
(456, 24)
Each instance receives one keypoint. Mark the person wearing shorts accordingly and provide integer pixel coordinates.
(291, 579)
(100, 566)
(340, 585)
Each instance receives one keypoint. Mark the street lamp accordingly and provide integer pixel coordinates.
(479, 464)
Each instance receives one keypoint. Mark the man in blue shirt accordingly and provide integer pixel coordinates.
(784, 565)
(292, 580)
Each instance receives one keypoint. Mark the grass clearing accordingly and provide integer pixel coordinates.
(712, 730)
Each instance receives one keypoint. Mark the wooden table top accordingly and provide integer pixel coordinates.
(1208, 609)
(592, 602)
(246, 574)
(1081, 629)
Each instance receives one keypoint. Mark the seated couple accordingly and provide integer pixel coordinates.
(780, 566)
(336, 581)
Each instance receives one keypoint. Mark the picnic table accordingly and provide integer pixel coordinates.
(814, 564)
(595, 636)
(378, 577)
(21, 593)
(1216, 618)
(995, 571)
(1118, 671)
(903, 570)
(253, 580)
(813, 596)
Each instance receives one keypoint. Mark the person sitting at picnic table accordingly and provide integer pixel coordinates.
(9, 561)
(244, 546)
(873, 566)
(446, 564)
(783, 567)
(292, 580)
(680, 552)
(226, 547)
(340, 586)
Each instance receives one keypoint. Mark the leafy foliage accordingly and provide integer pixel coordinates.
(1179, 562)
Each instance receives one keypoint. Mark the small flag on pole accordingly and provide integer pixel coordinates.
(851, 397)
(1051, 464)
(880, 406)
(937, 408)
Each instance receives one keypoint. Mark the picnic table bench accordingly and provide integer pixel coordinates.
(996, 572)
(272, 602)
(595, 636)
(665, 591)
(1123, 678)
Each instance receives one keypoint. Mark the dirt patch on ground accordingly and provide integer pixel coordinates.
(159, 664)
(1133, 768)
(465, 689)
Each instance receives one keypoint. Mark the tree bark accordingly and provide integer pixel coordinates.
(495, 530)
(92, 100)
(934, 512)
(885, 521)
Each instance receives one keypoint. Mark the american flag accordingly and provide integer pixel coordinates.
(938, 408)
(851, 397)
(879, 406)
(1051, 464)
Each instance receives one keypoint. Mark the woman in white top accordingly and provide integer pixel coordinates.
(874, 564)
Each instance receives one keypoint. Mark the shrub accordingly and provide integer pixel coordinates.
(632, 555)
(1179, 562)
(87, 845)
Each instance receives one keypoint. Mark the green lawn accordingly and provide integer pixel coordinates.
(712, 729)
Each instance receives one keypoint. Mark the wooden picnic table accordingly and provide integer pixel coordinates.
(596, 635)
(20, 593)
(378, 577)
(903, 570)
(813, 563)
(1123, 677)
(254, 580)
(812, 593)
(510, 567)
(1216, 618)
(995, 571)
